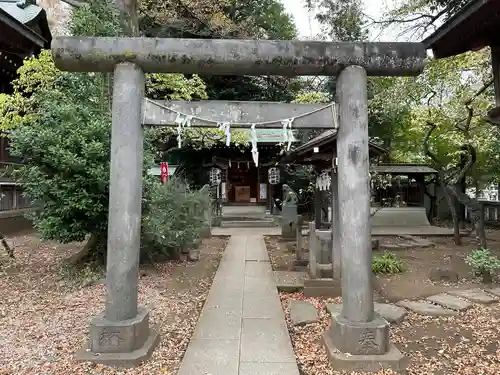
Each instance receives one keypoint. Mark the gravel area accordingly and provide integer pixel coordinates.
(44, 318)
(462, 345)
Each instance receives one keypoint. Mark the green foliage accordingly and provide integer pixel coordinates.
(62, 131)
(311, 97)
(66, 148)
(387, 264)
(216, 19)
(340, 20)
(483, 261)
(174, 219)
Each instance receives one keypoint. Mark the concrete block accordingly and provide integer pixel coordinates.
(359, 338)
(322, 288)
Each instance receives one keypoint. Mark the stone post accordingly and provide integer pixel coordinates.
(298, 250)
(318, 215)
(288, 221)
(357, 331)
(336, 252)
(121, 335)
(207, 212)
(313, 261)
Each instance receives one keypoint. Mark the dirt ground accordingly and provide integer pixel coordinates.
(44, 317)
(462, 345)
(414, 282)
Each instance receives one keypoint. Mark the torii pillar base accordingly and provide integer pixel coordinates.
(120, 344)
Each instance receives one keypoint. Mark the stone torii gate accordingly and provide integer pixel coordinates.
(121, 335)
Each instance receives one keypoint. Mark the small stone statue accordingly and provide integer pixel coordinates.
(289, 196)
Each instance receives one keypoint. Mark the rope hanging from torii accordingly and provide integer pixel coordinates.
(184, 120)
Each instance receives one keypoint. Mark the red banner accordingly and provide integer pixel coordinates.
(164, 172)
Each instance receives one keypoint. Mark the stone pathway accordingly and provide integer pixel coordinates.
(242, 328)
(444, 304)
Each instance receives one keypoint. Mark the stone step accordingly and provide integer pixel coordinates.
(248, 224)
(426, 308)
(474, 295)
(246, 217)
(450, 302)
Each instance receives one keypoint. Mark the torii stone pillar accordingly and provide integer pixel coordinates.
(121, 336)
(356, 329)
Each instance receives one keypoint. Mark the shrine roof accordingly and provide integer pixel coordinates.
(472, 28)
(403, 169)
(24, 25)
(326, 143)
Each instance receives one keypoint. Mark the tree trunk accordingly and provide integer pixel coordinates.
(95, 240)
(10, 251)
(456, 224)
(477, 214)
(129, 16)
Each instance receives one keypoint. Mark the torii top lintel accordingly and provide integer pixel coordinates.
(237, 57)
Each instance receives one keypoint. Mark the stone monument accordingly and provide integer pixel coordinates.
(289, 215)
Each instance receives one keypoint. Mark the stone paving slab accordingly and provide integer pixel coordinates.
(494, 291)
(252, 368)
(258, 307)
(266, 340)
(474, 295)
(302, 313)
(391, 313)
(450, 302)
(242, 329)
(426, 308)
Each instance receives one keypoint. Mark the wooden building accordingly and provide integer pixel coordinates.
(320, 151)
(25, 32)
(472, 28)
(242, 182)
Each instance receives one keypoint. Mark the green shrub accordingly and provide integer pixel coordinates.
(387, 264)
(483, 262)
(173, 220)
